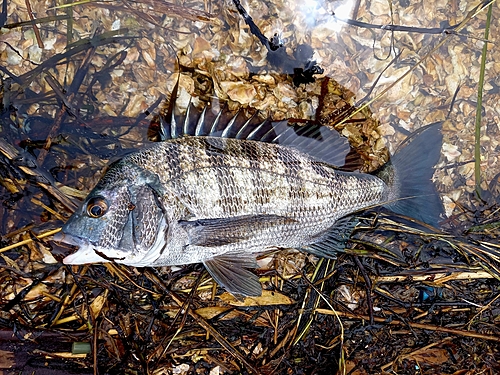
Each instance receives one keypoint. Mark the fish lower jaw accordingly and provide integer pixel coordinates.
(87, 254)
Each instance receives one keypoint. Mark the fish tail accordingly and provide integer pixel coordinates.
(408, 175)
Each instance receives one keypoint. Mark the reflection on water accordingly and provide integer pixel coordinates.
(82, 85)
(121, 61)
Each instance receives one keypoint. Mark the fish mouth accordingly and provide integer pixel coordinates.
(66, 239)
(87, 252)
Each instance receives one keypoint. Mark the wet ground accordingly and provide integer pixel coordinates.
(84, 84)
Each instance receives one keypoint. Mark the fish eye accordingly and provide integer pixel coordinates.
(96, 207)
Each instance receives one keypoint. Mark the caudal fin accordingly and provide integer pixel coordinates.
(409, 175)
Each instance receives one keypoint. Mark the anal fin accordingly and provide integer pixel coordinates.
(230, 271)
(334, 239)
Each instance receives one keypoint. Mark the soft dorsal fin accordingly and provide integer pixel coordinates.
(320, 142)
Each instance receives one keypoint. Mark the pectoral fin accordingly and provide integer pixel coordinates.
(225, 231)
(231, 273)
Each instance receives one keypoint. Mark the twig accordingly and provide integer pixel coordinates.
(66, 99)
(202, 322)
(42, 178)
(458, 27)
(482, 309)
(368, 287)
(437, 278)
(20, 243)
(427, 327)
(15, 25)
(418, 351)
(33, 24)
(182, 311)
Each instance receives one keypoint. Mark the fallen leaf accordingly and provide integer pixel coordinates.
(266, 299)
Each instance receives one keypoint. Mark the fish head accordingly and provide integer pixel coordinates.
(120, 221)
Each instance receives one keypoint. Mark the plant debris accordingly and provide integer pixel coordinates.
(82, 84)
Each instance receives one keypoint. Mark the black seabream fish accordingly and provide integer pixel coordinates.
(218, 192)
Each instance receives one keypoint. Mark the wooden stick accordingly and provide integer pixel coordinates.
(427, 327)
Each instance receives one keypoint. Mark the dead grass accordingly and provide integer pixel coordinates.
(78, 85)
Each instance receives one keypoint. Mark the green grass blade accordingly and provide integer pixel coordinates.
(477, 147)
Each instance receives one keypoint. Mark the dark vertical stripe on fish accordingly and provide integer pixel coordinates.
(289, 166)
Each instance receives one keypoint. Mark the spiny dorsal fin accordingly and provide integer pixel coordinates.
(320, 142)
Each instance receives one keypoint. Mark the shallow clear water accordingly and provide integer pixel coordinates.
(92, 77)
(118, 60)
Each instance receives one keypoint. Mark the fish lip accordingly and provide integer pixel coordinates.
(86, 253)
(69, 239)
